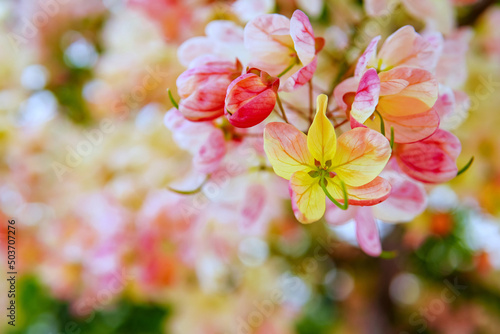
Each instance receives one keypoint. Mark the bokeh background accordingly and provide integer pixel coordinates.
(102, 246)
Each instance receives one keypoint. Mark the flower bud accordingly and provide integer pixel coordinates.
(251, 98)
(432, 160)
(203, 86)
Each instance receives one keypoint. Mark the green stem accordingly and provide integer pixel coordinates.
(392, 137)
(330, 197)
(311, 110)
(190, 192)
(286, 70)
(261, 168)
(466, 167)
(174, 103)
(382, 125)
(388, 254)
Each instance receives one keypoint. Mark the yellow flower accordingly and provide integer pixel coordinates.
(320, 165)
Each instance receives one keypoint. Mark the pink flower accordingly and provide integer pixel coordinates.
(464, 2)
(211, 153)
(174, 17)
(452, 107)
(202, 139)
(224, 39)
(452, 67)
(405, 47)
(250, 9)
(284, 47)
(251, 98)
(488, 35)
(432, 160)
(436, 14)
(406, 200)
(203, 87)
(403, 96)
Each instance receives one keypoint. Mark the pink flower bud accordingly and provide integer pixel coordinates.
(432, 160)
(251, 98)
(203, 86)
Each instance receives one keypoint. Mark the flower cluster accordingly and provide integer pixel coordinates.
(394, 103)
(251, 206)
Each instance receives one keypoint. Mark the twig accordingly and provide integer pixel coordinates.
(281, 108)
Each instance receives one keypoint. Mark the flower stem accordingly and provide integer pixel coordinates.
(190, 192)
(174, 103)
(466, 167)
(311, 110)
(341, 123)
(388, 255)
(382, 125)
(280, 105)
(286, 70)
(392, 138)
(330, 197)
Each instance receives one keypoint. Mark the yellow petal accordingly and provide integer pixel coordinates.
(321, 139)
(286, 149)
(308, 199)
(361, 156)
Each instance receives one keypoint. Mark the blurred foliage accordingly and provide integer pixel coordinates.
(39, 313)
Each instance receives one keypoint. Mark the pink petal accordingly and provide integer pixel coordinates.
(344, 91)
(428, 49)
(188, 135)
(224, 31)
(372, 193)
(356, 124)
(250, 99)
(438, 14)
(376, 8)
(447, 141)
(464, 2)
(411, 128)
(207, 102)
(267, 38)
(452, 67)
(366, 57)
(367, 232)
(253, 205)
(418, 96)
(445, 104)
(367, 95)
(406, 200)
(432, 160)
(250, 9)
(211, 153)
(203, 86)
(336, 216)
(408, 48)
(311, 7)
(194, 48)
(459, 113)
(303, 37)
(224, 39)
(398, 46)
(393, 86)
(301, 77)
